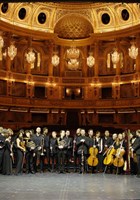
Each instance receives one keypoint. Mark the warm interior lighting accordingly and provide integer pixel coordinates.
(12, 51)
(30, 57)
(39, 111)
(55, 60)
(105, 111)
(133, 51)
(115, 56)
(1, 46)
(73, 53)
(90, 60)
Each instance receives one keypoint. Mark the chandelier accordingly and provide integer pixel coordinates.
(115, 56)
(1, 46)
(73, 53)
(55, 60)
(30, 57)
(133, 51)
(90, 60)
(12, 51)
(73, 64)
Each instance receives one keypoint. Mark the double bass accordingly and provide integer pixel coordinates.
(92, 159)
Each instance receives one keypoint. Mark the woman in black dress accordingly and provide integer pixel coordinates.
(20, 144)
(7, 157)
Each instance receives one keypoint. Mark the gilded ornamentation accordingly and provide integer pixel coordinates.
(73, 26)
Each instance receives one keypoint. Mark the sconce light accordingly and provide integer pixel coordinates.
(90, 60)
(12, 51)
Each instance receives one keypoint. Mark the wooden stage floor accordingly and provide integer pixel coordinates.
(69, 186)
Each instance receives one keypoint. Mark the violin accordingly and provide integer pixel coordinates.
(92, 159)
(108, 160)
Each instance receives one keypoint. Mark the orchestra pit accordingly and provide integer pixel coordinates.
(69, 100)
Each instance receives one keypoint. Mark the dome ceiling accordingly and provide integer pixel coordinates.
(73, 27)
(71, 20)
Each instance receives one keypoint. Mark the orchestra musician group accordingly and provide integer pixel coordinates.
(32, 151)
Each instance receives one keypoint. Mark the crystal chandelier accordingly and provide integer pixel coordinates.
(1, 46)
(12, 51)
(133, 51)
(73, 64)
(115, 56)
(55, 60)
(73, 53)
(90, 60)
(30, 57)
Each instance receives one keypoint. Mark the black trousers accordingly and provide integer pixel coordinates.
(100, 166)
(82, 161)
(38, 162)
(61, 160)
(1, 158)
(138, 164)
(133, 166)
(29, 162)
(53, 161)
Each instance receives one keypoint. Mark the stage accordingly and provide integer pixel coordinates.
(69, 186)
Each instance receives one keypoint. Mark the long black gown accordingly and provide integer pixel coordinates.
(7, 160)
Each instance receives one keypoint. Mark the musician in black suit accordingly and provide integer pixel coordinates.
(99, 142)
(30, 152)
(82, 151)
(136, 148)
(2, 140)
(133, 158)
(38, 139)
(7, 156)
(62, 150)
(69, 142)
(46, 148)
(74, 150)
(107, 140)
(90, 137)
(53, 151)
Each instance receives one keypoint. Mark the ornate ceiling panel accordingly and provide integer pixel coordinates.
(82, 17)
(73, 27)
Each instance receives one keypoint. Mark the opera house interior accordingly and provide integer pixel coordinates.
(69, 64)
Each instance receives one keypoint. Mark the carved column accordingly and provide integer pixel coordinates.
(29, 87)
(84, 66)
(138, 57)
(61, 61)
(95, 118)
(116, 88)
(28, 68)
(8, 64)
(136, 88)
(118, 69)
(96, 88)
(10, 83)
(96, 56)
(50, 72)
(116, 118)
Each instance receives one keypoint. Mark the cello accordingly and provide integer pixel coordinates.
(108, 160)
(92, 159)
(119, 160)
